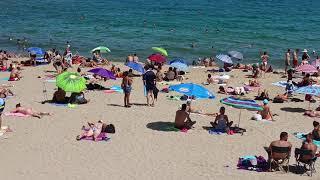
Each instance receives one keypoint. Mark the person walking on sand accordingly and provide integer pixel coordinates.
(126, 87)
(295, 61)
(29, 111)
(287, 61)
(149, 81)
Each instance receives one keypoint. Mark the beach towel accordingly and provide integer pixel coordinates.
(114, 89)
(175, 98)
(15, 114)
(280, 83)
(4, 79)
(302, 137)
(50, 80)
(102, 136)
(251, 88)
(169, 83)
(172, 128)
(64, 105)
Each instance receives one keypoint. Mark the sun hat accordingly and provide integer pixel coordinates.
(265, 101)
(305, 50)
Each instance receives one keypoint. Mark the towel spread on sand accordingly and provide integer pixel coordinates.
(114, 89)
(101, 137)
(169, 82)
(15, 114)
(302, 137)
(64, 105)
(50, 80)
(280, 83)
(4, 79)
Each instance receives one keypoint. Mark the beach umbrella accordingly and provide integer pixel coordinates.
(103, 73)
(178, 60)
(35, 50)
(224, 58)
(241, 104)
(160, 50)
(71, 82)
(180, 66)
(157, 58)
(102, 49)
(190, 89)
(311, 90)
(236, 55)
(135, 66)
(306, 68)
(316, 63)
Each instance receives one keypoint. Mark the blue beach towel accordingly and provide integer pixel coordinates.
(4, 79)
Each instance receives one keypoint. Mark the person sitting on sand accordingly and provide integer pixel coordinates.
(308, 145)
(182, 119)
(170, 75)
(316, 130)
(29, 111)
(210, 79)
(306, 81)
(159, 74)
(289, 87)
(221, 123)
(266, 113)
(118, 73)
(4, 92)
(78, 98)
(254, 83)
(59, 96)
(94, 131)
(263, 95)
(15, 74)
(283, 142)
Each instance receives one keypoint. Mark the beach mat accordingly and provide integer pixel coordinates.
(50, 80)
(300, 136)
(101, 137)
(64, 105)
(4, 79)
(280, 84)
(114, 89)
(15, 114)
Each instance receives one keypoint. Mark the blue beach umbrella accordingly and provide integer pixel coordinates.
(35, 50)
(235, 54)
(241, 104)
(224, 58)
(312, 90)
(135, 66)
(190, 89)
(180, 66)
(178, 60)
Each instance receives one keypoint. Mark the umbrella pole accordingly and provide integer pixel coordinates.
(45, 91)
(239, 118)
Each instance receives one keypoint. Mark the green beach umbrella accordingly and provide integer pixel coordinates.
(102, 49)
(160, 50)
(71, 82)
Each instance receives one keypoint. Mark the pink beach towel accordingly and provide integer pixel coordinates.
(15, 114)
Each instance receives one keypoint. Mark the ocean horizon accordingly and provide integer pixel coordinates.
(188, 29)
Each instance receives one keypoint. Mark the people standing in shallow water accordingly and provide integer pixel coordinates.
(295, 60)
(287, 60)
(264, 59)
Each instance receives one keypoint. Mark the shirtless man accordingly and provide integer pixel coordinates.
(283, 142)
(308, 145)
(287, 60)
(29, 111)
(182, 119)
(15, 74)
(266, 113)
(295, 61)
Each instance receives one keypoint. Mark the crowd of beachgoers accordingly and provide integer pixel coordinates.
(71, 76)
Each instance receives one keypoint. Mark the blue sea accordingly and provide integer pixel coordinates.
(134, 26)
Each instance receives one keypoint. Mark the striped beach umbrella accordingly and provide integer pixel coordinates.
(235, 54)
(241, 104)
(307, 68)
(224, 58)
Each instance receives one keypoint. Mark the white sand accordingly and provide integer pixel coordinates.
(47, 149)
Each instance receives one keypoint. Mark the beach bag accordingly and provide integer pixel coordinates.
(256, 117)
(110, 129)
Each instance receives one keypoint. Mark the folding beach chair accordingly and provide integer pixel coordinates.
(305, 164)
(279, 158)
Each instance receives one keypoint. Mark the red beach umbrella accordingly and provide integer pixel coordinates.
(157, 58)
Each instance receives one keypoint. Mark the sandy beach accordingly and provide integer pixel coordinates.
(47, 149)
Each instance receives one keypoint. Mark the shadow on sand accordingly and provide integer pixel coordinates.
(162, 126)
(294, 110)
